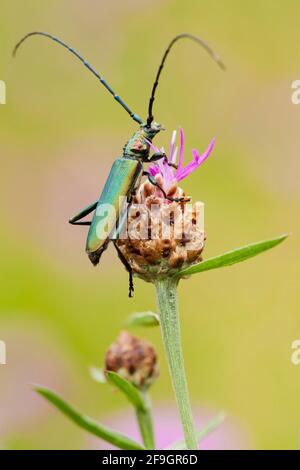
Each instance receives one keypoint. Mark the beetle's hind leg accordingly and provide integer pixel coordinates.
(169, 198)
(75, 220)
(127, 267)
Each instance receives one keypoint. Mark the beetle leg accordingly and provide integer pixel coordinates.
(127, 267)
(173, 165)
(156, 156)
(87, 210)
(159, 156)
(169, 198)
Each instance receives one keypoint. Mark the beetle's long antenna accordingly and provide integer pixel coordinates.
(202, 43)
(134, 116)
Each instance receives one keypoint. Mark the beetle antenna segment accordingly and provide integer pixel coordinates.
(134, 116)
(202, 43)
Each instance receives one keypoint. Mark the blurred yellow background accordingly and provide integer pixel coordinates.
(60, 132)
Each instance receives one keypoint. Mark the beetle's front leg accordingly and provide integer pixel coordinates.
(157, 185)
(159, 156)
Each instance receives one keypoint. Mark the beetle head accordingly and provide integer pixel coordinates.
(152, 129)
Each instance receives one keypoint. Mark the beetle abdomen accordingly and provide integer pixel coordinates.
(95, 256)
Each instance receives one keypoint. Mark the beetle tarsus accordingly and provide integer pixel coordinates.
(131, 286)
(128, 269)
(80, 223)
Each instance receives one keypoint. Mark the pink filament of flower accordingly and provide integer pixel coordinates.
(167, 172)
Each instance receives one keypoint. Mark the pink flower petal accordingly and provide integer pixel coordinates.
(174, 156)
(169, 175)
(207, 151)
(153, 170)
(181, 152)
(173, 140)
(197, 161)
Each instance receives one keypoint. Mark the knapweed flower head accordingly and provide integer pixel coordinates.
(165, 228)
(134, 359)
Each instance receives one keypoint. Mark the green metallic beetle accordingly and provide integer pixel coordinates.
(126, 171)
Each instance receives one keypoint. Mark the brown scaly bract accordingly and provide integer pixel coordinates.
(134, 359)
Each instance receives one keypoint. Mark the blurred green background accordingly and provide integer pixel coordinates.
(59, 134)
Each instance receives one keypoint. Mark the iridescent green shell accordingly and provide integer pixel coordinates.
(121, 181)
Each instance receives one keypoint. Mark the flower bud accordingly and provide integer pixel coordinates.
(134, 359)
(167, 236)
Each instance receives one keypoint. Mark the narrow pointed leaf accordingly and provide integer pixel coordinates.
(131, 392)
(143, 319)
(87, 423)
(233, 257)
(97, 374)
(210, 427)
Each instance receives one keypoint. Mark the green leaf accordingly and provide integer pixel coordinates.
(132, 393)
(97, 374)
(210, 427)
(87, 423)
(143, 319)
(232, 257)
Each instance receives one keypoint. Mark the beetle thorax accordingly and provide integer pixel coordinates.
(137, 146)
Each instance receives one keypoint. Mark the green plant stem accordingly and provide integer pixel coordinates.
(144, 419)
(166, 290)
